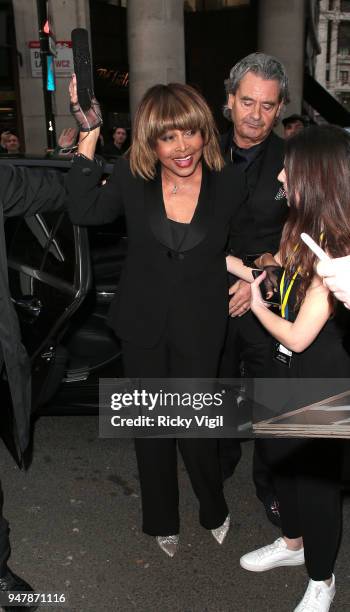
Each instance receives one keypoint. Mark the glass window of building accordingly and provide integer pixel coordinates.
(329, 38)
(345, 100)
(344, 38)
(213, 5)
(344, 77)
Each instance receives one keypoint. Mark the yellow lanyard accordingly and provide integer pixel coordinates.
(284, 293)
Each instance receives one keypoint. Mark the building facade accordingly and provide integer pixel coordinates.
(333, 63)
(137, 43)
(65, 16)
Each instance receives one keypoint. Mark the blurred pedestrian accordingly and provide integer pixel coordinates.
(3, 141)
(12, 143)
(118, 146)
(293, 124)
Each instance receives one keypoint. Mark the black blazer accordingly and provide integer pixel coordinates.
(156, 276)
(259, 225)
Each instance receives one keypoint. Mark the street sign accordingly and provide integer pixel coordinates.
(63, 60)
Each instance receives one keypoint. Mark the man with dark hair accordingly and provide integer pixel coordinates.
(23, 192)
(118, 146)
(293, 124)
(257, 90)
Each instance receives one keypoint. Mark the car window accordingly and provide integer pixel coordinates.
(59, 259)
(26, 241)
(43, 242)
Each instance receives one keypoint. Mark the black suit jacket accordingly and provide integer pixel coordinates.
(259, 225)
(155, 276)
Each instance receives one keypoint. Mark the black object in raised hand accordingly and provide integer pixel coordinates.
(87, 120)
(83, 67)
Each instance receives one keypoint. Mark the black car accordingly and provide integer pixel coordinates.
(62, 279)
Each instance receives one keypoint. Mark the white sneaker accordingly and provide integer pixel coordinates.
(273, 555)
(318, 597)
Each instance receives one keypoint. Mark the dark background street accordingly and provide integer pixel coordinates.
(75, 528)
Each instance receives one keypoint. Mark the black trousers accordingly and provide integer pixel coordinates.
(306, 476)
(4, 538)
(248, 344)
(157, 458)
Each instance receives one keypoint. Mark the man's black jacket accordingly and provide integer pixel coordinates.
(258, 227)
(23, 192)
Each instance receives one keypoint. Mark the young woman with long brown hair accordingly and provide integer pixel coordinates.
(316, 178)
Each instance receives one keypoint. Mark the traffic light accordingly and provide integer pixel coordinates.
(47, 53)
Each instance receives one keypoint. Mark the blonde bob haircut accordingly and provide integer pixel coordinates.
(171, 107)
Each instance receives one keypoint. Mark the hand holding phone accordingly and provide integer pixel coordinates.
(269, 286)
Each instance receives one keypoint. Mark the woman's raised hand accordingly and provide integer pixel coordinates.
(67, 138)
(336, 277)
(87, 120)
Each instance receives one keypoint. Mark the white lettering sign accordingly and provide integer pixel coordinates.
(63, 60)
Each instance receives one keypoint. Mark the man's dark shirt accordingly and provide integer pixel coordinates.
(244, 158)
(258, 227)
(110, 151)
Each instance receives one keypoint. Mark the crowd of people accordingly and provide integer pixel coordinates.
(201, 214)
(116, 145)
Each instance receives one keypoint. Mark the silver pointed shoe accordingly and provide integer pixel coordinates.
(220, 533)
(169, 544)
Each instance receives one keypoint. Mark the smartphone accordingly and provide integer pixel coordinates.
(82, 67)
(274, 299)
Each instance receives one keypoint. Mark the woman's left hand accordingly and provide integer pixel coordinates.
(256, 297)
(88, 120)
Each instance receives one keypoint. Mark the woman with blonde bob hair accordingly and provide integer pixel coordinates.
(163, 108)
(172, 306)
